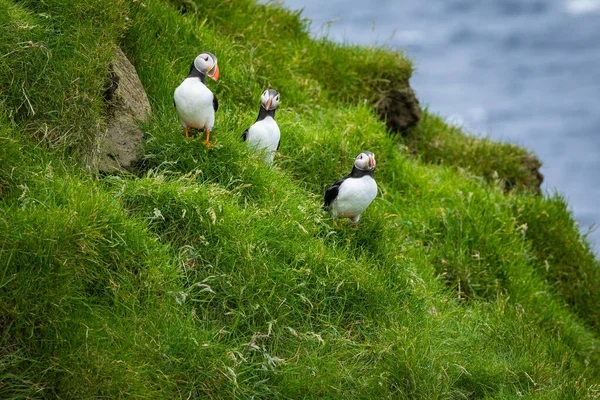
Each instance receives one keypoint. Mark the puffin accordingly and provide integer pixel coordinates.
(351, 195)
(195, 103)
(264, 136)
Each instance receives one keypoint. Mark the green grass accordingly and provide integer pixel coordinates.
(512, 167)
(53, 69)
(208, 274)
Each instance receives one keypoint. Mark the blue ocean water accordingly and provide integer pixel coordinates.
(522, 71)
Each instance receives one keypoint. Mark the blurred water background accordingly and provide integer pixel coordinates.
(522, 71)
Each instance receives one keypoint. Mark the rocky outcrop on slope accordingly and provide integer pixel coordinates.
(127, 104)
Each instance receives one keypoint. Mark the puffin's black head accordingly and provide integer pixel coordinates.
(206, 63)
(365, 161)
(269, 99)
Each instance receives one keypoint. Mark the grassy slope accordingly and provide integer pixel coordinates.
(212, 275)
(509, 165)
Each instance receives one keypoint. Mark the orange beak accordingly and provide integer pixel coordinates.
(215, 74)
(268, 105)
(371, 162)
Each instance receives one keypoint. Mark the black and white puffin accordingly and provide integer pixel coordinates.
(352, 194)
(264, 136)
(195, 103)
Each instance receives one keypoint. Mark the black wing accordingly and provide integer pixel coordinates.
(278, 144)
(245, 135)
(215, 102)
(332, 192)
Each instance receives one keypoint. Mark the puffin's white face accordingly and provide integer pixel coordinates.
(270, 99)
(365, 161)
(207, 64)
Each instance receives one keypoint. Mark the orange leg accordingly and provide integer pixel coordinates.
(335, 223)
(356, 225)
(207, 142)
(187, 136)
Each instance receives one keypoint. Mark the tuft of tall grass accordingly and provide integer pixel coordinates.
(561, 253)
(10, 160)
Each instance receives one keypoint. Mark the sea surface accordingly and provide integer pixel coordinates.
(522, 71)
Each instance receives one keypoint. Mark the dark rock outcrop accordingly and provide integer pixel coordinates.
(398, 107)
(533, 165)
(127, 106)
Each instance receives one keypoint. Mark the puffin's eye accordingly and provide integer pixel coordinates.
(277, 97)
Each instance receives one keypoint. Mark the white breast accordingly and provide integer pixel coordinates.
(194, 102)
(354, 196)
(263, 136)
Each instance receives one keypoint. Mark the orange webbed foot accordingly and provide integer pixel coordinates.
(207, 143)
